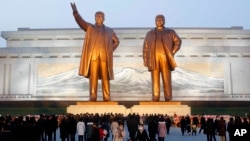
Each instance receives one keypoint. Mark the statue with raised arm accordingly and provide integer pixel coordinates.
(97, 53)
(159, 48)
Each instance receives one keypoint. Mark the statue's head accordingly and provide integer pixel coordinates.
(99, 17)
(159, 21)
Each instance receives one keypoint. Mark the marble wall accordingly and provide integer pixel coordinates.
(42, 64)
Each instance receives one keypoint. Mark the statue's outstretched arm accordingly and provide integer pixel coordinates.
(80, 21)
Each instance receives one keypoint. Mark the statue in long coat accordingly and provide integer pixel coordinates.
(97, 54)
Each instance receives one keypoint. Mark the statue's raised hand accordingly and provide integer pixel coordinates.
(73, 6)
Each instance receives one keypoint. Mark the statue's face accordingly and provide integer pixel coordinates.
(99, 18)
(159, 22)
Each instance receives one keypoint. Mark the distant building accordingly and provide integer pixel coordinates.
(42, 64)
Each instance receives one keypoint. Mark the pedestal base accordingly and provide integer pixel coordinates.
(96, 103)
(169, 108)
(97, 107)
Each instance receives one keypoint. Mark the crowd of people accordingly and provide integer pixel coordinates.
(101, 127)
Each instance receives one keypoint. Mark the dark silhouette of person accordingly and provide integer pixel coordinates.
(203, 123)
(152, 128)
(183, 124)
(168, 124)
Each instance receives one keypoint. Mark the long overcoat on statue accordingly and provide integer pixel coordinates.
(171, 42)
(111, 43)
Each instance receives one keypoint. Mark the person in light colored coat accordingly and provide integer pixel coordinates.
(162, 130)
(120, 134)
(80, 126)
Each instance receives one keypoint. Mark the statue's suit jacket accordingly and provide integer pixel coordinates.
(171, 42)
(111, 43)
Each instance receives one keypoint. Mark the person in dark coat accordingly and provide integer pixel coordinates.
(95, 136)
(168, 124)
(132, 124)
(245, 125)
(222, 129)
(54, 126)
(63, 129)
(49, 128)
(188, 124)
(195, 121)
(203, 123)
(209, 129)
(141, 134)
(72, 128)
(231, 129)
(152, 128)
(183, 125)
(41, 127)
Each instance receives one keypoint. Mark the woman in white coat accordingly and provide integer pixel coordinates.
(80, 126)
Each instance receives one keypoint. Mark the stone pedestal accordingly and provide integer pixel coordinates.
(169, 108)
(97, 107)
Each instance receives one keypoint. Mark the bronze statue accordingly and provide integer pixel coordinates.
(97, 54)
(159, 48)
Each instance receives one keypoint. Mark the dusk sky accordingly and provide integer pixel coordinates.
(124, 13)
